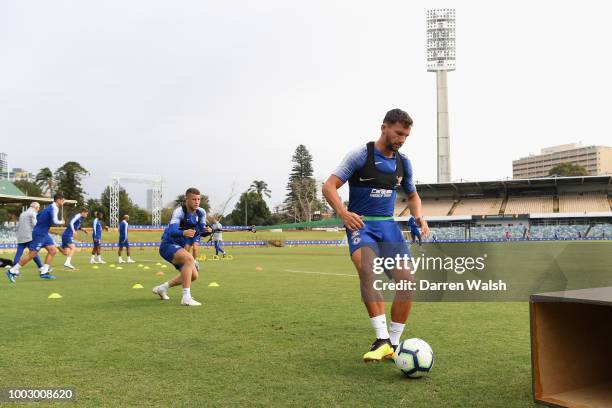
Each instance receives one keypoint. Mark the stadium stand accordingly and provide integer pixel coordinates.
(433, 207)
(496, 232)
(528, 205)
(481, 206)
(583, 202)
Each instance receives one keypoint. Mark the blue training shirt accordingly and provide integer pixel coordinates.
(123, 231)
(73, 226)
(45, 220)
(373, 201)
(96, 234)
(174, 235)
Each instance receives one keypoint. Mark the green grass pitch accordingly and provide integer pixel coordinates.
(280, 336)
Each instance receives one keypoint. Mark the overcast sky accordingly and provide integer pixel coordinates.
(214, 93)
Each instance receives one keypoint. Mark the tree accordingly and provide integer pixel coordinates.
(45, 180)
(69, 178)
(260, 186)
(204, 201)
(568, 169)
(301, 186)
(257, 210)
(29, 188)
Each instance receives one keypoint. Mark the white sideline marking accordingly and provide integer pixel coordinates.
(319, 273)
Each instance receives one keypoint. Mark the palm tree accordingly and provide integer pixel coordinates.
(260, 186)
(45, 180)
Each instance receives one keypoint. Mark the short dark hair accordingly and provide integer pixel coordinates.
(192, 190)
(84, 210)
(57, 196)
(397, 115)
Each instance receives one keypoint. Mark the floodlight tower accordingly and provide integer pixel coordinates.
(440, 59)
(157, 185)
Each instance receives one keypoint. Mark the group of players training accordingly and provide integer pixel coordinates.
(373, 171)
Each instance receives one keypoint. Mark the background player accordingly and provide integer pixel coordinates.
(217, 236)
(187, 222)
(415, 232)
(123, 239)
(374, 172)
(68, 247)
(27, 222)
(41, 238)
(96, 236)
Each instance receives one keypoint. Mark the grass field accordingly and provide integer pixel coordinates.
(280, 336)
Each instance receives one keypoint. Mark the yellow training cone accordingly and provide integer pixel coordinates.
(213, 285)
(55, 296)
(164, 266)
(259, 269)
(146, 267)
(158, 264)
(112, 265)
(160, 273)
(140, 265)
(120, 267)
(137, 286)
(95, 267)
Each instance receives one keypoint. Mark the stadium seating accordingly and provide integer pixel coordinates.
(496, 232)
(480, 206)
(529, 205)
(432, 207)
(585, 202)
(446, 233)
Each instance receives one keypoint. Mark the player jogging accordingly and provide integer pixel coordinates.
(41, 238)
(123, 239)
(96, 236)
(188, 221)
(374, 171)
(217, 236)
(415, 233)
(68, 247)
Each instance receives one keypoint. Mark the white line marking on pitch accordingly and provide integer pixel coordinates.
(319, 273)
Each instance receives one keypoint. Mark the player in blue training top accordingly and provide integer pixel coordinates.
(374, 172)
(68, 247)
(415, 232)
(188, 222)
(96, 236)
(123, 239)
(41, 238)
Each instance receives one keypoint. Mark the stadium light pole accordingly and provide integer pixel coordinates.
(441, 59)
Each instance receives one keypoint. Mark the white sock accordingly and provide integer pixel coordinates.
(44, 269)
(187, 292)
(379, 324)
(99, 257)
(129, 258)
(120, 259)
(68, 259)
(16, 267)
(395, 332)
(164, 286)
(93, 257)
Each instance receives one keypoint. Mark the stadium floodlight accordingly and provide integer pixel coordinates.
(156, 183)
(440, 59)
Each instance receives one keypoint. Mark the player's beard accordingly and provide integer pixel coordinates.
(391, 147)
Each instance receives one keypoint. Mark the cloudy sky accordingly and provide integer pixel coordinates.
(212, 94)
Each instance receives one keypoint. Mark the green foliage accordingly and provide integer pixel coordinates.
(568, 170)
(257, 211)
(29, 188)
(69, 181)
(45, 180)
(260, 187)
(301, 187)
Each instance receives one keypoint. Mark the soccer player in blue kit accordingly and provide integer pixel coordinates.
(68, 247)
(415, 232)
(187, 223)
(374, 172)
(41, 238)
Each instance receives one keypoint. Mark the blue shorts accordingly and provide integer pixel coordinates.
(383, 236)
(167, 252)
(416, 233)
(40, 241)
(125, 244)
(96, 243)
(66, 241)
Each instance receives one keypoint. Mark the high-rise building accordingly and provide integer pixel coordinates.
(3, 165)
(597, 160)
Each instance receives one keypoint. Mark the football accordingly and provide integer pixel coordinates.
(414, 357)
